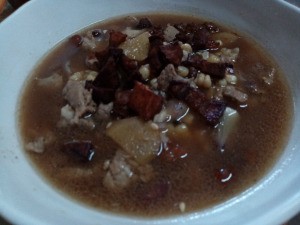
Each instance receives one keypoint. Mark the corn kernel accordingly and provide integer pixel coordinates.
(185, 55)
(154, 83)
(207, 81)
(205, 54)
(223, 82)
(232, 79)
(182, 206)
(145, 71)
(182, 71)
(186, 47)
(213, 58)
(200, 79)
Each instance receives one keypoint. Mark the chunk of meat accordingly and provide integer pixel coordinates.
(231, 92)
(108, 76)
(103, 56)
(210, 109)
(116, 38)
(68, 118)
(122, 171)
(198, 36)
(167, 75)
(172, 52)
(155, 56)
(215, 70)
(144, 101)
(130, 72)
(170, 33)
(121, 108)
(104, 111)
(106, 83)
(36, 146)
(79, 98)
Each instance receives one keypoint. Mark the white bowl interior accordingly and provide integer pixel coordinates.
(34, 29)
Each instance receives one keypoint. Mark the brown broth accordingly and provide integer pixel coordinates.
(250, 152)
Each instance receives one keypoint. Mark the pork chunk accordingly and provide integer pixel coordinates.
(167, 75)
(122, 171)
(79, 98)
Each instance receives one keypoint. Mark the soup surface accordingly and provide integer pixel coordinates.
(154, 115)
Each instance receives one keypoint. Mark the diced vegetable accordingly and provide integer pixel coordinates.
(137, 48)
(144, 101)
(136, 137)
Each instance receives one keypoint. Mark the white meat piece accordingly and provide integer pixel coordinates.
(55, 80)
(170, 33)
(67, 112)
(68, 118)
(104, 110)
(232, 92)
(38, 145)
(167, 75)
(79, 98)
(122, 170)
(120, 173)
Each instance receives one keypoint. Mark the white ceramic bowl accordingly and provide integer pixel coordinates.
(25, 198)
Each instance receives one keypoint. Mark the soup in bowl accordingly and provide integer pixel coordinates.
(155, 118)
